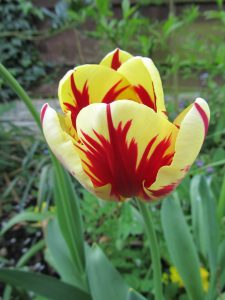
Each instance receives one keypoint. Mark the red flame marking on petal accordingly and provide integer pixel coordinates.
(114, 161)
(186, 168)
(112, 94)
(203, 116)
(115, 64)
(43, 111)
(81, 99)
(164, 190)
(145, 96)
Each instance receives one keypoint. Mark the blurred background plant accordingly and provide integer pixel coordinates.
(39, 42)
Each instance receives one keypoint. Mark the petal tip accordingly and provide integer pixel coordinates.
(43, 111)
(204, 112)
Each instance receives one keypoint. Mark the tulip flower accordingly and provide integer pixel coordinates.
(114, 135)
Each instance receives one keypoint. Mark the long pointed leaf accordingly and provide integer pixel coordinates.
(210, 224)
(133, 295)
(68, 214)
(60, 256)
(197, 214)
(221, 264)
(104, 280)
(42, 285)
(221, 201)
(181, 247)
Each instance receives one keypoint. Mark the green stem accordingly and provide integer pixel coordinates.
(154, 249)
(16, 87)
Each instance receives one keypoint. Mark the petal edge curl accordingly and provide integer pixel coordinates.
(193, 127)
(62, 144)
(142, 73)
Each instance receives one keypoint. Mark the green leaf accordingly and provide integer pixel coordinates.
(26, 216)
(221, 201)
(60, 256)
(197, 214)
(43, 186)
(42, 285)
(181, 247)
(22, 261)
(210, 223)
(221, 264)
(125, 5)
(68, 214)
(133, 295)
(104, 280)
(103, 7)
(204, 203)
(221, 297)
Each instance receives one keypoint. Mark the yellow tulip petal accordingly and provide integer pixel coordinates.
(144, 76)
(92, 84)
(123, 145)
(193, 128)
(115, 59)
(62, 144)
(181, 116)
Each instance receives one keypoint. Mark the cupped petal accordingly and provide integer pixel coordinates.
(115, 58)
(62, 144)
(123, 145)
(92, 84)
(193, 124)
(144, 76)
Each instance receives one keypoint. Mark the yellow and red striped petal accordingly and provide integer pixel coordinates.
(115, 58)
(193, 124)
(62, 144)
(144, 76)
(92, 84)
(124, 144)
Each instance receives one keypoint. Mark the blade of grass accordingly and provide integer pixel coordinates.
(43, 186)
(26, 216)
